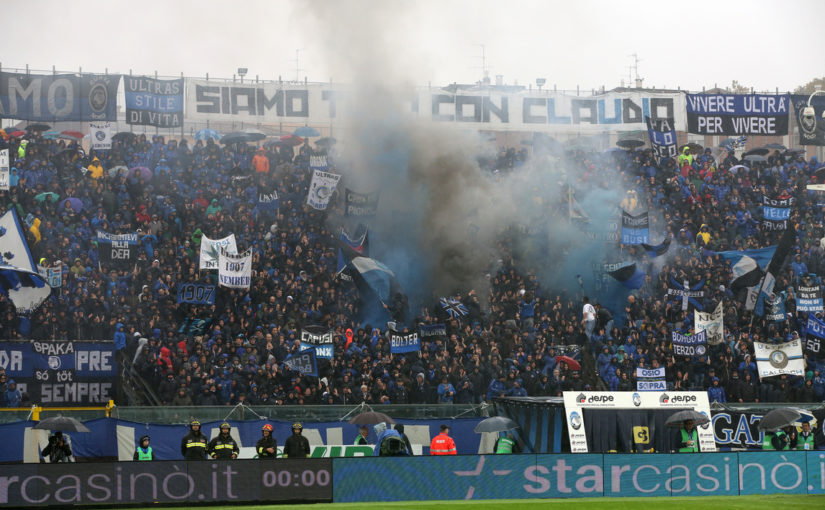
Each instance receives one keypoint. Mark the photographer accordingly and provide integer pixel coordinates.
(57, 450)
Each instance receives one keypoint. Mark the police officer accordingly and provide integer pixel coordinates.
(223, 446)
(267, 446)
(193, 445)
(296, 445)
(144, 451)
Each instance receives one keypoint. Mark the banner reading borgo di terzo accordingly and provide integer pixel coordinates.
(738, 114)
(59, 97)
(152, 102)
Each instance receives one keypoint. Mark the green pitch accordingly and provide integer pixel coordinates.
(675, 503)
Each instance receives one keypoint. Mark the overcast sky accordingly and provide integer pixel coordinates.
(761, 43)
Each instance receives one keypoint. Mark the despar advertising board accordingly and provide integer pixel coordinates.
(738, 114)
(64, 373)
(576, 401)
(58, 97)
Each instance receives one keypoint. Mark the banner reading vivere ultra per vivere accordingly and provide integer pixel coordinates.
(738, 114)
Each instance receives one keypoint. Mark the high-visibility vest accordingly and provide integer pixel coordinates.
(768, 445)
(805, 442)
(505, 445)
(147, 455)
(689, 436)
(442, 444)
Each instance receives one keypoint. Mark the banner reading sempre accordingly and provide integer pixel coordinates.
(152, 102)
(738, 114)
(58, 97)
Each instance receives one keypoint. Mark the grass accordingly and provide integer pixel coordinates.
(671, 503)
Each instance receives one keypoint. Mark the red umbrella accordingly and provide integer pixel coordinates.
(571, 363)
(290, 140)
(17, 134)
(77, 135)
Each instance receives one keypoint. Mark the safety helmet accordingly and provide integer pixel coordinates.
(194, 422)
(267, 427)
(225, 425)
(297, 425)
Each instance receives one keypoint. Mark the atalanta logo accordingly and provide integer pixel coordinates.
(581, 399)
(54, 362)
(778, 359)
(637, 399)
(575, 420)
(100, 136)
(98, 98)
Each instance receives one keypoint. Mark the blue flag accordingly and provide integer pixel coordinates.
(630, 276)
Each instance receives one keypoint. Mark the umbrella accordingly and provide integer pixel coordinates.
(48, 195)
(779, 418)
(755, 158)
(62, 423)
(123, 136)
(38, 127)
(694, 148)
(370, 418)
(17, 134)
(253, 135)
(72, 202)
(676, 419)
(630, 144)
(306, 131)
(117, 169)
(761, 151)
(290, 140)
(573, 364)
(73, 135)
(495, 424)
(140, 171)
(236, 137)
(775, 146)
(51, 135)
(206, 134)
(327, 141)
(736, 168)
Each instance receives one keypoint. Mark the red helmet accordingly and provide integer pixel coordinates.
(267, 427)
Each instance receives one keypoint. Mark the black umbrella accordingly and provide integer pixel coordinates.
(678, 418)
(236, 137)
(775, 146)
(760, 151)
(495, 424)
(325, 142)
(755, 157)
(779, 418)
(62, 423)
(629, 144)
(371, 418)
(694, 148)
(38, 127)
(123, 136)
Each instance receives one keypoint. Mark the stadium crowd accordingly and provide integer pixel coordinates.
(509, 343)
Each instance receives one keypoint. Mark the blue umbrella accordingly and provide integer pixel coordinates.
(72, 202)
(51, 135)
(306, 131)
(206, 134)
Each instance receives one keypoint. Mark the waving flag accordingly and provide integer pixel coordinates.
(658, 250)
(19, 279)
(748, 266)
(373, 275)
(453, 307)
(768, 282)
(688, 294)
(630, 276)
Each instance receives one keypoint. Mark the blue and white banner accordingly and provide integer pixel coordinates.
(64, 372)
(809, 294)
(100, 134)
(738, 114)
(318, 338)
(662, 135)
(58, 97)
(117, 249)
(650, 379)
(712, 324)
(210, 247)
(153, 102)
(687, 294)
(235, 270)
(635, 229)
(19, 279)
(318, 162)
(689, 345)
(775, 310)
(404, 343)
(268, 202)
(776, 212)
(778, 359)
(321, 189)
(304, 362)
(52, 275)
(426, 331)
(196, 293)
(5, 175)
(814, 337)
(811, 128)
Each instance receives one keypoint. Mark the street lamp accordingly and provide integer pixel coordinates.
(540, 82)
(808, 113)
(242, 72)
